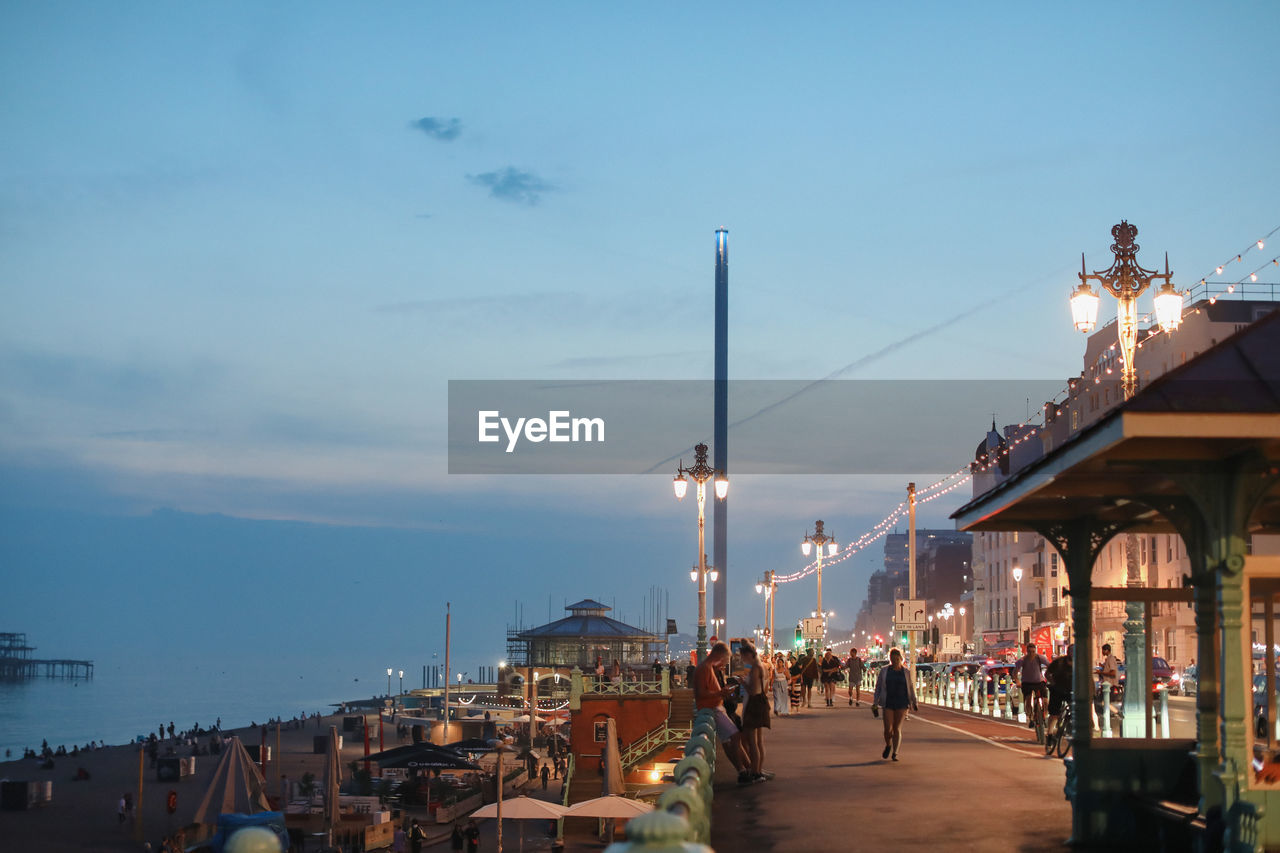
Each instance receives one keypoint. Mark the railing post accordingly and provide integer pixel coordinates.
(575, 689)
(1164, 712)
(1106, 709)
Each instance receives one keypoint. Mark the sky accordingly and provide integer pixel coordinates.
(244, 248)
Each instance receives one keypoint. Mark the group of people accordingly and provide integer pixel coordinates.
(788, 681)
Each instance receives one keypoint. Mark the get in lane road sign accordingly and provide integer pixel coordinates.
(908, 614)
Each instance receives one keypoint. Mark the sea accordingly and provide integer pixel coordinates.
(127, 699)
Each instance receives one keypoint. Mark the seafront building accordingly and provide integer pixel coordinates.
(1036, 608)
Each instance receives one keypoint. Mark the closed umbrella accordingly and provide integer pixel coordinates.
(237, 786)
(332, 776)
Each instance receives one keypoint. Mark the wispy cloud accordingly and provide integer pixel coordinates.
(512, 184)
(592, 362)
(440, 129)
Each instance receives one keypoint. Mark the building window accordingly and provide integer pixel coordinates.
(1053, 564)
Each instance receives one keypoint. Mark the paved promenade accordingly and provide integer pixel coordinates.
(962, 783)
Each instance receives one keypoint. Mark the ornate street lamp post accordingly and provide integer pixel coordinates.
(1126, 280)
(769, 588)
(806, 547)
(700, 472)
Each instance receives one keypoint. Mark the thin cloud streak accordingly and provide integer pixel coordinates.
(836, 374)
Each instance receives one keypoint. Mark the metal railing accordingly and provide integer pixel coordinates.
(623, 687)
(649, 742)
(682, 819)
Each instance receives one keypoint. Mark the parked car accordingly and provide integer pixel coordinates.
(997, 677)
(1162, 678)
(961, 674)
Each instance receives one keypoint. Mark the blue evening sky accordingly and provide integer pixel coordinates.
(244, 246)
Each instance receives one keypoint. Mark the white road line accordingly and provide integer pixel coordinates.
(1024, 753)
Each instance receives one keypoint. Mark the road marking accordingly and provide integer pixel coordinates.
(1023, 752)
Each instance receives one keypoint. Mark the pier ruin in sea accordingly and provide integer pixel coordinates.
(17, 664)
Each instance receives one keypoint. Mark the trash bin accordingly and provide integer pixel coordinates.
(168, 769)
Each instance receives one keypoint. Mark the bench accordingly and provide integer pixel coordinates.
(1178, 826)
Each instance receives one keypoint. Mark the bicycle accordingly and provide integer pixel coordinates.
(1038, 712)
(1066, 731)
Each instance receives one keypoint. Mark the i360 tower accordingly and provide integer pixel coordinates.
(720, 443)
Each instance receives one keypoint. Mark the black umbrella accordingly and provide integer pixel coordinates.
(398, 756)
(472, 744)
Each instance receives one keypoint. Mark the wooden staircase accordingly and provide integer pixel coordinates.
(681, 713)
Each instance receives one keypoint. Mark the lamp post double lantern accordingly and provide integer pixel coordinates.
(1126, 280)
(819, 539)
(769, 588)
(700, 472)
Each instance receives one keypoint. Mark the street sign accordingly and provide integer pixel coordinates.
(909, 615)
(811, 628)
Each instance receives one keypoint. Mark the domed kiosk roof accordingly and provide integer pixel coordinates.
(586, 619)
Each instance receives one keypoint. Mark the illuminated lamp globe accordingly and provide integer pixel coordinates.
(759, 588)
(1084, 308)
(714, 574)
(681, 486)
(831, 549)
(722, 487)
(1168, 307)
(253, 839)
(806, 546)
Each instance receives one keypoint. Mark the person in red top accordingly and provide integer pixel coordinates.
(708, 693)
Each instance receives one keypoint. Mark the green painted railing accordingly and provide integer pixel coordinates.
(682, 820)
(649, 742)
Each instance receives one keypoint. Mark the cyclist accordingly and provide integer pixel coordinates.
(1059, 675)
(1028, 671)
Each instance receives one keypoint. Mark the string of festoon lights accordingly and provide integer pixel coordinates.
(963, 474)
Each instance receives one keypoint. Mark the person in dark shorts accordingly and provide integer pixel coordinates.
(831, 669)
(808, 674)
(854, 667)
(895, 695)
(755, 712)
(1059, 676)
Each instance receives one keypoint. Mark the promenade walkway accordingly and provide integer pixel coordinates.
(963, 783)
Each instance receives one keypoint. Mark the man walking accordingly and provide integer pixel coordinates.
(708, 693)
(854, 667)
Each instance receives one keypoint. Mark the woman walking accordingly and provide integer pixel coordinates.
(781, 686)
(755, 712)
(895, 694)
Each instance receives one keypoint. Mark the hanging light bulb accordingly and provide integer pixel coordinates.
(1261, 244)
(1253, 276)
(1218, 270)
